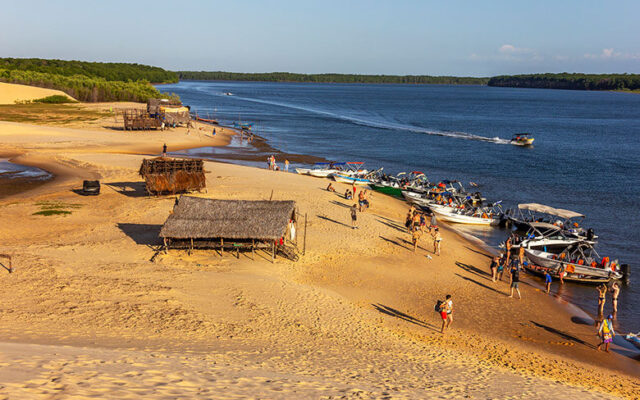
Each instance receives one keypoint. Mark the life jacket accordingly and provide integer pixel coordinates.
(605, 261)
(484, 215)
(580, 262)
(571, 268)
(594, 264)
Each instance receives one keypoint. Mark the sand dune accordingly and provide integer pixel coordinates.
(86, 314)
(10, 93)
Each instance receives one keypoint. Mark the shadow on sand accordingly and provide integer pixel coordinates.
(563, 335)
(406, 317)
(130, 189)
(333, 220)
(142, 234)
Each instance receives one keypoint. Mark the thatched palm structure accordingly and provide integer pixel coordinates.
(171, 175)
(232, 224)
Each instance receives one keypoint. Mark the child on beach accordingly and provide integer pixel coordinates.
(500, 268)
(606, 333)
(547, 281)
(354, 216)
(515, 279)
(494, 268)
(436, 241)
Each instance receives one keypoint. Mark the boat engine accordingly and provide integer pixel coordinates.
(590, 234)
(626, 273)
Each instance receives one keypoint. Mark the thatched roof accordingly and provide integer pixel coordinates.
(200, 218)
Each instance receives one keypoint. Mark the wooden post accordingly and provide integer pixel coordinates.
(304, 240)
(191, 246)
(273, 251)
(165, 245)
(271, 197)
(253, 252)
(221, 246)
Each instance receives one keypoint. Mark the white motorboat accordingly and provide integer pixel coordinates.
(580, 263)
(361, 181)
(546, 237)
(476, 218)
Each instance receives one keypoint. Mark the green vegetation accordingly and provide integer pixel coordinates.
(88, 81)
(47, 113)
(626, 82)
(107, 71)
(330, 78)
(49, 208)
(53, 99)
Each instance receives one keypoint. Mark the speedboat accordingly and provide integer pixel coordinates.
(544, 236)
(416, 182)
(522, 139)
(568, 221)
(351, 179)
(483, 215)
(580, 263)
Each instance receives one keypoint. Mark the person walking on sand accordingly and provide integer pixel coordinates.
(615, 292)
(494, 267)
(164, 150)
(521, 255)
(286, 165)
(354, 216)
(515, 280)
(508, 246)
(547, 281)
(415, 236)
(436, 241)
(606, 333)
(500, 268)
(602, 297)
(561, 274)
(446, 313)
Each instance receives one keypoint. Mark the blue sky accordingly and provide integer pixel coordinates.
(474, 38)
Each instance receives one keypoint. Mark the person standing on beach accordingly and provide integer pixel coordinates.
(415, 236)
(561, 274)
(547, 281)
(436, 241)
(602, 297)
(615, 292)
(494, 267)
(446, 313)
(164, 150)
(521, 255)
(500, 268)
(354, 216)
(606, 333)
(286, 165)
(353, 189)
(515, 280)
(508, 245)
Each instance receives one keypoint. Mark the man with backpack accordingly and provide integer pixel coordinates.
(445, 308)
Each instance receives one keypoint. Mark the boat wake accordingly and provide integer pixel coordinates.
(380, 124)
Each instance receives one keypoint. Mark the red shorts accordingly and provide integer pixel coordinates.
(443, 314)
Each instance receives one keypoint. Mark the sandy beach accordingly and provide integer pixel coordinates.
(87, 314)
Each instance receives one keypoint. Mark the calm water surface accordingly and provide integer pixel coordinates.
(586, 156)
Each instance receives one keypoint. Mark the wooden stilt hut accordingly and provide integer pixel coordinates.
(164, 175)
(229, 225)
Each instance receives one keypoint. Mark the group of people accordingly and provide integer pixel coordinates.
(416, 224)
(514, 266)
(273, 166)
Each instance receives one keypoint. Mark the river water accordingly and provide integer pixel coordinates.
(586, 155)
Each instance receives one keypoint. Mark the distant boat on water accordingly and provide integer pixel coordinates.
(522, 139)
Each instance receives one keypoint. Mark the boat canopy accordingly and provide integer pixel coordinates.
(543, 225)
(541, 208)
(355, 162)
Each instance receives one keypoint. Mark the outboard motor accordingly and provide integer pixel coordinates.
(626, 273)
(590, 234)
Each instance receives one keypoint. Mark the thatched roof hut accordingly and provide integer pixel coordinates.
(208, 219)
(172, 175)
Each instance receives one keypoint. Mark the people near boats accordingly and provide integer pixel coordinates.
(363, 203)
(437, 240)
(547, 281)
(515, 280)
(354, 216)
(446, 313)
(348, 195)
(514, 264)
(508, 244)
(434, 222)
(286, 165)
(494, 267)
(500, 268)
(521, 254)
(561, 273)
(615, 292)
(330, 188)
(606, 333)
(602, 297)
(415, 236)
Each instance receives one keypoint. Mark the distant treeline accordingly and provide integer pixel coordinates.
(570, 81)
(82, 87)
(108, 71)
(329, 78)
(88, 81)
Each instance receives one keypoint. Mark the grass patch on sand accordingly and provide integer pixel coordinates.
(49, 208)
(47, 113)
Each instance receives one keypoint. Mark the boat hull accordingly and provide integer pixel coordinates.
(388, 190)
(351, 180)
(573, 272)
(464, 219)
(525, 142)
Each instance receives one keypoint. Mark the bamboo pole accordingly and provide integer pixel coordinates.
(273, 252)
(221, 246)
(304, 241)
(271, 197)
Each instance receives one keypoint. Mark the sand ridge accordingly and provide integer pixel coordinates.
(10, 93)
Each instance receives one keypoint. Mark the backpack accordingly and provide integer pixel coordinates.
(438, 306)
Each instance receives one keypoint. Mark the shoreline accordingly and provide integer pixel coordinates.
(325, 301)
